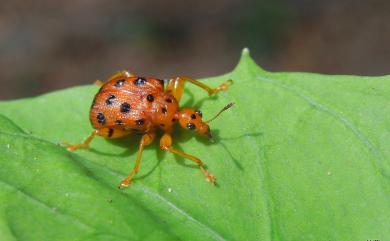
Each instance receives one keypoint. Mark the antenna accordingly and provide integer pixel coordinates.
(228, 106)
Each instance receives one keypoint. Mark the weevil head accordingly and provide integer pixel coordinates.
(192, 120)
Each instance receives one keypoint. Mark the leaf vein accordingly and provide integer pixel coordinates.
(212, 233)
(344, 120)
(263, 186)
(44, 205)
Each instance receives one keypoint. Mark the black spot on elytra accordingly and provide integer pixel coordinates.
(173, 120)
(119, 83)
(140, 81)
(110, 132)
(140, 122)
(164, 110)
(193, 116)
(162, 125)
(150, 98)
(190, 126)
(125, 107)
(119, 122)
(101, 118)
(110, 99)
(169, 100)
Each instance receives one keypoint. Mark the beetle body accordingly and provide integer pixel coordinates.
(133, 105)
(127, 104)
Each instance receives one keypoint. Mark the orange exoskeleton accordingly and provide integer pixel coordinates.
(128, 104)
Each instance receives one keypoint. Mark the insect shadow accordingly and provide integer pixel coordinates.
(235, 160)
(131, 145)
(220, 141)
(215, 132)
(160, 154)
(199, 103)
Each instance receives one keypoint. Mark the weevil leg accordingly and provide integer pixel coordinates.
(122, 74)
(85, 144)
(166, 145)
(103, 132)
(99, 82)
(118, 75)
(176, 86)
(145, 140)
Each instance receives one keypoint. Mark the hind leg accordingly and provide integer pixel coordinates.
(176, 86)
(103, 132)
(120, 74)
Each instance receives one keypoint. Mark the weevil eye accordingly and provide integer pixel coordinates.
(191, 126)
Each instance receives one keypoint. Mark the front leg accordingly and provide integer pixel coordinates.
(166, 145)
(176, 86)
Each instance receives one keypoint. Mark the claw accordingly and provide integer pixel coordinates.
(211, 178)
(125, 183)
(68, 146)
(224, 86)
(74, 147)
(98, 82)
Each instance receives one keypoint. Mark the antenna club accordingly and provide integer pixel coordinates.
(228, 106)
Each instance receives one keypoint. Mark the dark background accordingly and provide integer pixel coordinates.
(47, 45)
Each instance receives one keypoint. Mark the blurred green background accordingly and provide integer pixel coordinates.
(47, 45)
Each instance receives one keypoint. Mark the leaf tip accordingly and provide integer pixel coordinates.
(245, 52)
(246, 62)
(245, 55)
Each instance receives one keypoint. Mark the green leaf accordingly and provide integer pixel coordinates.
(300, 157)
